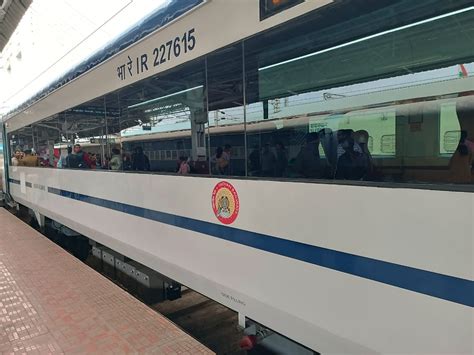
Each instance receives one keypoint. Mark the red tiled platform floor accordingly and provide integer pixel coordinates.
(50, 302)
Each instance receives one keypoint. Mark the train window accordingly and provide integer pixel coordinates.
(226, 111)
(326, 104)
(450, 141)
(387, 144)
(163, 120)
(449, 129)
(308, 99)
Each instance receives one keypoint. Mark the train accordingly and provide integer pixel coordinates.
(376, 260)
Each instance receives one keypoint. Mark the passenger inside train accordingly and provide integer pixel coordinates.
(267, 109)
(387, 147)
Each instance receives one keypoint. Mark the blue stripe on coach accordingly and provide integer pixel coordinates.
(446, 287)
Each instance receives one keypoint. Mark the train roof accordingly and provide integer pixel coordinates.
(157, 19)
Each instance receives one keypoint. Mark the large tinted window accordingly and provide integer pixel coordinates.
(355, 91)
(226, 111)
(372, 103)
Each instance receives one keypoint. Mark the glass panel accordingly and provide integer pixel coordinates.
(162, 123)
(384, 106)
(21, 146)
(226, 111)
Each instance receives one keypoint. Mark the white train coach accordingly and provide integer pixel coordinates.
(308, 164)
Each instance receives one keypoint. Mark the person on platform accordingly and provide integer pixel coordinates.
(79, 159)
(16, 158)
(29, 159)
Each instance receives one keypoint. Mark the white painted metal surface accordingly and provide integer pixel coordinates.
(329, 311)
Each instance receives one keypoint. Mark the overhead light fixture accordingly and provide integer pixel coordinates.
(165, 97)
(363, 39)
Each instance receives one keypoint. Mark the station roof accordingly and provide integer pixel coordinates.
(11, 12)
(136, 32)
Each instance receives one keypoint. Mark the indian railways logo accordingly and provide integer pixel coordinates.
(225, 202)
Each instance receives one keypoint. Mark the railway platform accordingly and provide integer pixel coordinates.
(50, 302)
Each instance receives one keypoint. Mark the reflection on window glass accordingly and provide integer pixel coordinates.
(163, 122)
(391, 100)
(372, 108)
(226, 111)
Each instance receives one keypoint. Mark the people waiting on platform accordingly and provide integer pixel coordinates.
(79, 159)
(29, 159)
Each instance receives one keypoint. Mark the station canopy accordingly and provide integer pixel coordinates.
(11, 12)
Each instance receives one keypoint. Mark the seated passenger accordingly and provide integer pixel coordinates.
(351, 165)
(184, 168)
(281, 164)
(308, 162)
(140, 161)
(268, 161)
(17, 158)
(220, 162)
(29, 159)
(116, 160)
(342, 136)
(78, 159)
(460, 164)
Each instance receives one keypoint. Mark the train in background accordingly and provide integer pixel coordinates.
(347, 266)
(383, 124)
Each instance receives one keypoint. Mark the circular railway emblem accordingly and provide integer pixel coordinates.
(225, 202)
